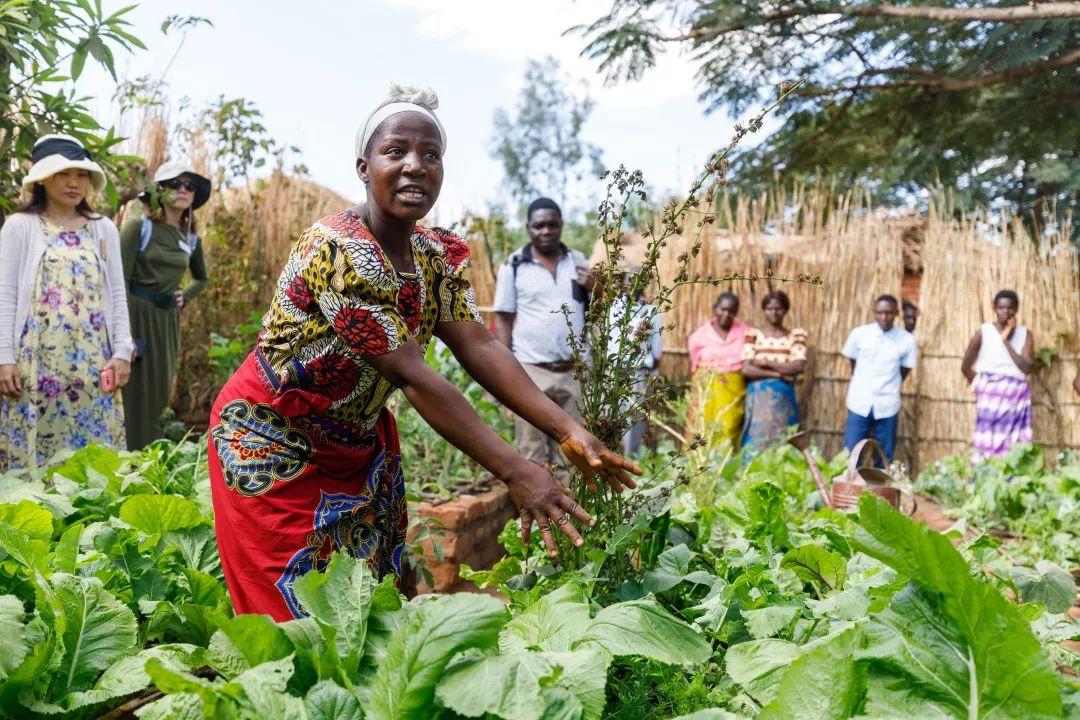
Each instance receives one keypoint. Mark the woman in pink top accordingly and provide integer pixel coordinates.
(716, 361)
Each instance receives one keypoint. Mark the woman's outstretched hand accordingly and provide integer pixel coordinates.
(543, 500)
(589, 455)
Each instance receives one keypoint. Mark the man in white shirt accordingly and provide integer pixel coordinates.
(532, 287)
(881, 356)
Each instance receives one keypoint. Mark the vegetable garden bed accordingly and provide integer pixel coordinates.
(466, 531)
(744, 600)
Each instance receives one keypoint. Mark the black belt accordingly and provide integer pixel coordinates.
(160, 300)
(559, 366)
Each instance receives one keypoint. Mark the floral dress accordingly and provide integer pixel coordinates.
(304, 457)
(62, 349)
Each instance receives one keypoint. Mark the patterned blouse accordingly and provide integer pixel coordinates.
(791, 347)
(339, 301)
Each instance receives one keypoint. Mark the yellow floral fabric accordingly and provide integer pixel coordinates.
(339, 301)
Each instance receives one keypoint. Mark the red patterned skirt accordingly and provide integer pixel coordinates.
(291, 486)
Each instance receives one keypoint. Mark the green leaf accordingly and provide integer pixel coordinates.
(33, 555)
(1048, 583)
(78, 61)
(759, 666)
(330, 701)
(404, 684)
(501, 572)
(265, 688)
(159, 514)
(341, 598)
(183, 706)
(98, 630)
(509, 686)
(993, 659)
(14, 489)
(712, 714)
(584, 675)
(128, 676)
(554, 622)
(768, 621)
(823, 683)
(314, 657)
(66, 553)
(198, 546)
(816, 565)
(642, 627)
(258, 638)
(88, 461)
(12, 635)
(28, 517)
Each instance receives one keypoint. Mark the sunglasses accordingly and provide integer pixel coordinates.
(177, 183)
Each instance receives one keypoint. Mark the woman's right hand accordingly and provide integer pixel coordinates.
(11, 383)
(542, 499)
(1007, 331)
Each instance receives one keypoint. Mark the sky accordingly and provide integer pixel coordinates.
(316, 68)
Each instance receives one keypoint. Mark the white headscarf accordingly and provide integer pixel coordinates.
(401, 98)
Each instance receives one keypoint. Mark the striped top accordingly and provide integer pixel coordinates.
(788, 348)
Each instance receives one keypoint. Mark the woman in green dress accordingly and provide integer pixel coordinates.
(159, 248)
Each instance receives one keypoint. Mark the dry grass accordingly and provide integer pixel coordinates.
(246, 238)
(861, 252)
(962, 272)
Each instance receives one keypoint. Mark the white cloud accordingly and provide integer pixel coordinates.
(514, 31)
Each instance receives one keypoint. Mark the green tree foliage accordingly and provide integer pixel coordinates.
(540, 148)
(903, 96)
(43, 44)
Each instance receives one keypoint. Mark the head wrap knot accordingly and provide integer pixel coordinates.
(401, 98)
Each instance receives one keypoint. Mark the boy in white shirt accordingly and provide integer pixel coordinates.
(881, 356)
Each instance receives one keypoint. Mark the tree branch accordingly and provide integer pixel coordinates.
(934, 81)
(1017, 13)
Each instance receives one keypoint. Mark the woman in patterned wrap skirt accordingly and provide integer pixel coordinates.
(304, 455)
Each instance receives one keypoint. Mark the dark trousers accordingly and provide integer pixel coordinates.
(883, 430)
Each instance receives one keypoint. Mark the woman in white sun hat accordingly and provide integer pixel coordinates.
(159, 249)
(65, 344)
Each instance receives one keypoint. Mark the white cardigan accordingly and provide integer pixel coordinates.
(22, 243)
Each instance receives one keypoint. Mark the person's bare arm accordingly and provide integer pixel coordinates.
(753, 371)
(504, 327)
(967, 365)
(1025, 359)
(788, 367)
(491, 364)
(538, 496)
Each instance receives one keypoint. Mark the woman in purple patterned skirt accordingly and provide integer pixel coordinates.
(997, 362)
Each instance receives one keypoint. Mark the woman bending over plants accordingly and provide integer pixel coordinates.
(304, 454)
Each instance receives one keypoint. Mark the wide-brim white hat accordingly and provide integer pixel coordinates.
(174, 169)
(56, 153)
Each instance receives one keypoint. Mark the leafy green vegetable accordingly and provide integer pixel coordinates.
(641, 627)
(97, 630)
(418, 652)
(816, 565)
(159, 514)
(1047, 583)
(948, 631)
(12, 635)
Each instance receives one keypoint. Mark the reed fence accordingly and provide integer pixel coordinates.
(949, 265)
